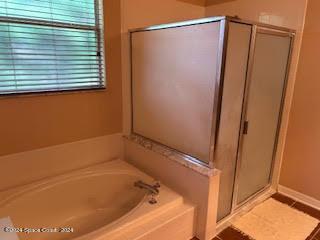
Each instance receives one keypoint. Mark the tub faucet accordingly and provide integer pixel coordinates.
(153, 190)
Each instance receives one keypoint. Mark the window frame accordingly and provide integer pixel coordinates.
(98, 28)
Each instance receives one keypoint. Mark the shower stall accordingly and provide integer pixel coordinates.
(212, 90)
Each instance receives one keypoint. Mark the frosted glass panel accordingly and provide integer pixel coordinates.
(233, 90)
(263, 112)
(173, 86)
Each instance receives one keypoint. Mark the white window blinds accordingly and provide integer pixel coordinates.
(50, 45)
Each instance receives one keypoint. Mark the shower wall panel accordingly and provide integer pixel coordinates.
(173, 86)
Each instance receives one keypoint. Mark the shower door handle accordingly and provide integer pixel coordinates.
(245, 127)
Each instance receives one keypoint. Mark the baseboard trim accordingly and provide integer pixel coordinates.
(300, 197)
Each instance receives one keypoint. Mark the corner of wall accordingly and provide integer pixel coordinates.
(290, 95)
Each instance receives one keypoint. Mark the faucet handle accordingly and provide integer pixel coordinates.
(157, 184)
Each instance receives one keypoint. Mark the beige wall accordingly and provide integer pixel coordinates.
(141, 13)
(301, 163)
(31, 122)
(285, 13)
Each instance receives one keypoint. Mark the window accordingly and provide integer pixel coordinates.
(50, 45)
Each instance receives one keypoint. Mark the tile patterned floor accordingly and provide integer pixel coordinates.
(231, 234)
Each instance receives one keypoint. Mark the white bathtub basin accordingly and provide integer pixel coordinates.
(93, 203)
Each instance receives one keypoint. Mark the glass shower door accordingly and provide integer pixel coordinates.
(262, 112)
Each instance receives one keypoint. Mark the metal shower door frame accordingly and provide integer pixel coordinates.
(258, 28)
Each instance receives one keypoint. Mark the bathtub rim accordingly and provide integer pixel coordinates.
(114, 167)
